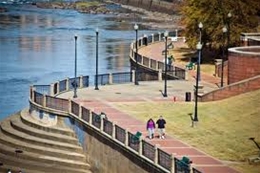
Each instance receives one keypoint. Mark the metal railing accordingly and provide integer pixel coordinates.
(151, 64)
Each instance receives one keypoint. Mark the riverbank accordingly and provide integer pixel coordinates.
(148, 19)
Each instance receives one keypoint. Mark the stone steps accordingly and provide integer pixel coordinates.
(29, 156)
(7, 129)
(28, 145)
(29, 120)
(17, 144)
(14, 143)
(4, 168)
(32, 166)
(20, 126)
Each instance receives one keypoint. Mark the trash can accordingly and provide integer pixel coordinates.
(188, 96)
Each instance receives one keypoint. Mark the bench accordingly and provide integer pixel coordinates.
(170, 46)
(183, 165)
(190, 66)
(135, 139)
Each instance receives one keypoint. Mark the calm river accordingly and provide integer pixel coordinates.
(37, 47)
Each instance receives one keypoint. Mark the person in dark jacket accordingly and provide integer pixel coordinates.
(161, 127)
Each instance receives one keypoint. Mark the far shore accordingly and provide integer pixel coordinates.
(149, 19)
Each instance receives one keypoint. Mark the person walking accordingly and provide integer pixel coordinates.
(161, 127)
(150, 126)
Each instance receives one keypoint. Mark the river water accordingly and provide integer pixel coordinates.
(37, 46)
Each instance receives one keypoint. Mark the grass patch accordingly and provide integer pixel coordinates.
(223, 130)
(87, 4)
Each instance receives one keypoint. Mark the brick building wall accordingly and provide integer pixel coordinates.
(243, 74)
(243, 63)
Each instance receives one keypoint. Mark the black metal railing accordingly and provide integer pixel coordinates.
(122, 77)
(120, 134)
(43, 89)
(85, 114)
(103, 79)
(108, 127)
(164, 159)
(63, 85)
(148, 150)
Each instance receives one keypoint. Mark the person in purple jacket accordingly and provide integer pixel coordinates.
(150, 126)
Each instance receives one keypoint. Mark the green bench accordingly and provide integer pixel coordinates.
(190, 66)
(135, 139)
(184, 164)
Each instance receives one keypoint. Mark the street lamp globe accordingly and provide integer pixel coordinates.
(200, 25)
(136, 27)
(229, 15)
(199, 46)
(166, 33)
(224, 29)
(97, 30)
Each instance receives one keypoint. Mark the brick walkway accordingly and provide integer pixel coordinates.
(103, 99)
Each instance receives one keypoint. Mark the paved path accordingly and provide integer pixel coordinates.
(103, 99)
(154, 51)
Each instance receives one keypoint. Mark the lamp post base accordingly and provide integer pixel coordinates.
(194, 123)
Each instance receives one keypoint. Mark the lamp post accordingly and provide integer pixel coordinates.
(75, 85)
(224, 30)
(165, 64)
(228, 28)
(96, 77)
(198, 61)
(199, 47)
(136, 53)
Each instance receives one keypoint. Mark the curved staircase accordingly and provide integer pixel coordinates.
(34, 147)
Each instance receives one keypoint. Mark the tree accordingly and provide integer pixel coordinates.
(214, 16)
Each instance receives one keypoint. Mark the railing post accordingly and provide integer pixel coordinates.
(52, 89)
(186, 74)
(70, 104)
(44, 100)
(81, 82)
(156, 146)
(159, 36)
(126, 137)
(101, 124)
(67, 84)
(149, 63)
(80, 111)
(140, 146)
(32, 93)
(58, 87)
(172, 163)
(90, 116)
(114, 130)
(142, 60)
(152, 38)
(110, 78)
(133, 75)
(160, 74)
